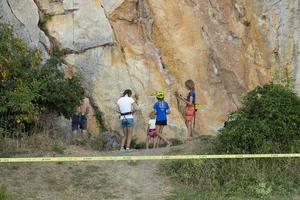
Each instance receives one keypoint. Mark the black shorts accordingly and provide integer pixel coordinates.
(161, 123)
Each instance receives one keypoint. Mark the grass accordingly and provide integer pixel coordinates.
(132, 163)
(96, 143)
(236, 179)
(4, 194)
(84, 178)
(58, 148)
(188, 194)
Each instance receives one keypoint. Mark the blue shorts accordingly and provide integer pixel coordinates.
(127, 123)
(79, 121)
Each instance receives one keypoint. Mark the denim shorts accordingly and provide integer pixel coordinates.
(79, 121)
(127, 123)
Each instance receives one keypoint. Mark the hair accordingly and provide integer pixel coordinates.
(127, 92)
(160, 99)
(152, 115)
(190, 84)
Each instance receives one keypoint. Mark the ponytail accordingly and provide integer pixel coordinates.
(127, 92)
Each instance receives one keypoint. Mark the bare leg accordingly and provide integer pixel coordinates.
(160, 129)
(124, 137)
(154, 142)
(129, 134)
(157, 137)
(189, 128)
(157, 142)
(147, 142)
(74, 134)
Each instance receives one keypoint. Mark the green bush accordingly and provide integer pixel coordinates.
(58, 94)
(268, 122)
(28, 89)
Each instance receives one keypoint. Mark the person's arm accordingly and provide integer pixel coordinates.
(168, 109)
(180, 97)
(187, 101)
(118, 109)
(190, 99)
(154, 109)
(135, 107)
(148, 129)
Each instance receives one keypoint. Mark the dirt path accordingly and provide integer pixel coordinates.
(86, 180)
(90, 180)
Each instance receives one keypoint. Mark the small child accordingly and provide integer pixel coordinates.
(161, 109)
(151, 131)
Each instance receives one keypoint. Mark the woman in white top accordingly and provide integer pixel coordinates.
(126, 107)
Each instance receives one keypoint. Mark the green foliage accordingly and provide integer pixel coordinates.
(58, 147)
(237, 179)
(268, 121)
(58, 93)
(96, 142)
(4, 195)
(27, 89)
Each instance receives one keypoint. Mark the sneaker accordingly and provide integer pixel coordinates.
(128, 149)
(122, 149)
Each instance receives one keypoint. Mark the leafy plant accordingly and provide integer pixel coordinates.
(28, 89)
(268, 121)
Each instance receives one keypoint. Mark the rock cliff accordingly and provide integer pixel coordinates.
(227, 47)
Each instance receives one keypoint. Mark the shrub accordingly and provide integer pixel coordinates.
(27, 89)
(268, 122)
(57, 93)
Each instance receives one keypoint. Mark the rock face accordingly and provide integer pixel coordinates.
(111, 141)
(24, 17)
(81, 26)
(227, 47)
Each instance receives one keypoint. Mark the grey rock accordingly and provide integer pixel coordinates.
(85, 27)
(23, 17)
(111, 140)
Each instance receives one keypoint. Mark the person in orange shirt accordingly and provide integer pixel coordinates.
(190, 105)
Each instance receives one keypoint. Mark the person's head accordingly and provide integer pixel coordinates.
(127, 92)
(160, 95)
(152, 115)
(189, 84)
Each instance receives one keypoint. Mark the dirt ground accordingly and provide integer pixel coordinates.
(91, 180)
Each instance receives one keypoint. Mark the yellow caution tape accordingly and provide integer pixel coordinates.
(165, 157)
